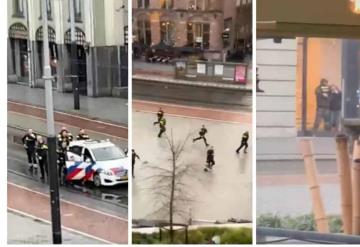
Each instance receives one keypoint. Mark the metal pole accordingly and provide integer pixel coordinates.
(29, 52)
(74, 69)
(53, 176)
(304, 88)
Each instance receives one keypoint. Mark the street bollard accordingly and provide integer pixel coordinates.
(356, 188)
(54, 190)
(343, 164)
(321, 220)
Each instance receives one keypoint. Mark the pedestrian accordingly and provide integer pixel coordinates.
(335, 108)
(322, 93)
(210, 153)
(244, 142)
(160, 115)
(134, 155)
(82, 135)
(41, 153)
(29, 141)
(61, 161)
(162, 125)
(202, 133)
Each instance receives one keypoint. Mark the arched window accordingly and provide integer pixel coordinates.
(39, 34)
(18, 31)
(79, 36)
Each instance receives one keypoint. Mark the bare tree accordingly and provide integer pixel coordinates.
(168, 187)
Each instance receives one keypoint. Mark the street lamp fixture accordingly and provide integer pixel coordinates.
(355, 6)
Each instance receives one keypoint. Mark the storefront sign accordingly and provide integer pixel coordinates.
(219, 69)
(201, 68)
(240, 74)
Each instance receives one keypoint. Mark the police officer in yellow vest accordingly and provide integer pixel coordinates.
(162, 124)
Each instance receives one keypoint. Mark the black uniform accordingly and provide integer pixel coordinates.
(244, 142)
(162, 124)
(202, 133)
(133, 159)
(160, 115)
(41, 153)
(210, 158)
(81, 137)
(61, 161)
(29, 141)
(61, 139)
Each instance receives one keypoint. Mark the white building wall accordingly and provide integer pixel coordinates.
(276, 64)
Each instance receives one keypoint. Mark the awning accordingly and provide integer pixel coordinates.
(307, 18)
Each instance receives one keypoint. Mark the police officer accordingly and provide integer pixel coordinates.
(202, 133)
(160, 115)
(134, 155)
(244, 142)
(64, 136)
(61, 161)
(162, 124)
(82, 135)
(210, 157)
(41, 153)
(29, 141)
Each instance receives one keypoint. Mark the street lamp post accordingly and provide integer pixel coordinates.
(74, 70)
(51, 139)
(29, 52)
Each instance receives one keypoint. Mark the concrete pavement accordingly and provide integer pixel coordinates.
(116, 108)
(23, 229)
(218, 195)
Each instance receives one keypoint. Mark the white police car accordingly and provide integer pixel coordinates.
(99, 161)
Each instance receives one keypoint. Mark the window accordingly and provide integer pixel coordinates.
(198, 35)
(77, 10)
(167, 4)
(48, 8)
(144, 32)
(199, 5)
(76, 150)
(18, 8)
(108, 153)
(143, 3)
(167, 32)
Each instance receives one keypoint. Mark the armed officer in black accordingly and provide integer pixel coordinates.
(202, 133)
(41, 153)
(244, 142)
(29, 141)
(82, 135)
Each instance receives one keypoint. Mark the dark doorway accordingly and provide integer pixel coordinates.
(80, 59)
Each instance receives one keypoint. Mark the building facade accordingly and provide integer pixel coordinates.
(100, 31)
(187, 24)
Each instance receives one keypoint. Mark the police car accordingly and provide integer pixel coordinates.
(101, 162)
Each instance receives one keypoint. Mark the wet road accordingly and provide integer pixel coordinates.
(17, 166)
(218, 195)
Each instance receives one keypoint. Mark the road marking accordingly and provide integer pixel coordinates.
(197, 118)
(189, 107)
(71, 115)
(63, 227)
(72, 126)
(69, 202)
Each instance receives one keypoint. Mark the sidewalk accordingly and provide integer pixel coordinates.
(26, 230)
(165, 73)
(288, 148)
(73, 216)
(104, 108)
